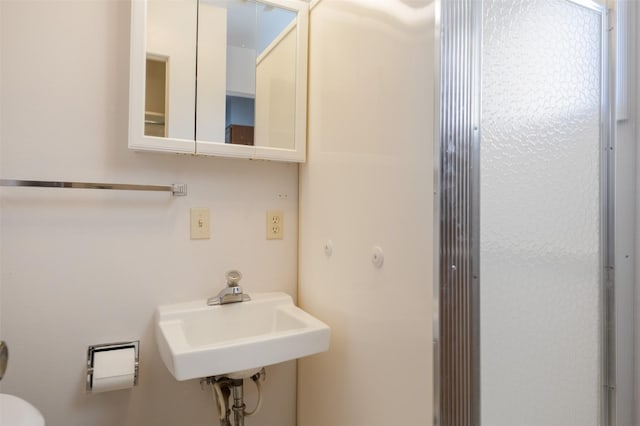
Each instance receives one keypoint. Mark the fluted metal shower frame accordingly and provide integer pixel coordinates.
(456, 334)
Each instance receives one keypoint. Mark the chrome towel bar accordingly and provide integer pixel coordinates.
(176, 189)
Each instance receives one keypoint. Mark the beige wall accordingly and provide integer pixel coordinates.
(368, 182)
(81, 267)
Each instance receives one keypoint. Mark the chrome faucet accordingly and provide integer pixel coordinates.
(232, 293)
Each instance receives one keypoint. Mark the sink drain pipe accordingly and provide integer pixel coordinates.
(238, 402)
(223, 387)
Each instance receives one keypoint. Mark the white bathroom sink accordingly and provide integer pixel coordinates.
(15, 411)
(196, 340)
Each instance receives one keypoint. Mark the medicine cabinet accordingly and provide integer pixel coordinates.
(219, 77)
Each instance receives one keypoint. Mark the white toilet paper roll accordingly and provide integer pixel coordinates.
(113, 369)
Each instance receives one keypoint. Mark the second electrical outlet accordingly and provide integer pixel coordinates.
(275, 224)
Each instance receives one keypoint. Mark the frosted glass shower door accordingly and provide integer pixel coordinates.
(541, 213)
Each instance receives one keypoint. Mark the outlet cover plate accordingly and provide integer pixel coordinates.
(275, 225)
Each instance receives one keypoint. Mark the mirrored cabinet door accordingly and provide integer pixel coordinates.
(219, 77)
(162, 85)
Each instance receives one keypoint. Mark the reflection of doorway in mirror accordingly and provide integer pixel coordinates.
(155, 108)
(240, 113)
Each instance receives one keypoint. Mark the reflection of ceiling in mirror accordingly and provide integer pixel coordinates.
(253, 25)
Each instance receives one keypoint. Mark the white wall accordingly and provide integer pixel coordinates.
(81, 267)
(369, 181)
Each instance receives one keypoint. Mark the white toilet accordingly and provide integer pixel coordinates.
(15, 411)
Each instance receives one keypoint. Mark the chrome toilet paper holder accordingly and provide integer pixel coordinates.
(93, 349)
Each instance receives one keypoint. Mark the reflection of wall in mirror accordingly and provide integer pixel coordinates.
(275, 93)
(240, 110)
(212, 73)
(171, 34)
(241, 71)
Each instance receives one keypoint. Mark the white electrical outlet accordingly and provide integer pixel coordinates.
(200, 224)
(275, 224)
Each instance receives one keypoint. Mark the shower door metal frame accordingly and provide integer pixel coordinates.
(457, 60)
(457, 203)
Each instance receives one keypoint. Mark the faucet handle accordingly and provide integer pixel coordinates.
(233, 278)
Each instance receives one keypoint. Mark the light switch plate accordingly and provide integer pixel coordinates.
(200, 223)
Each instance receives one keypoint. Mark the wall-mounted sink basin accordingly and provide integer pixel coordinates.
(196, 340)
